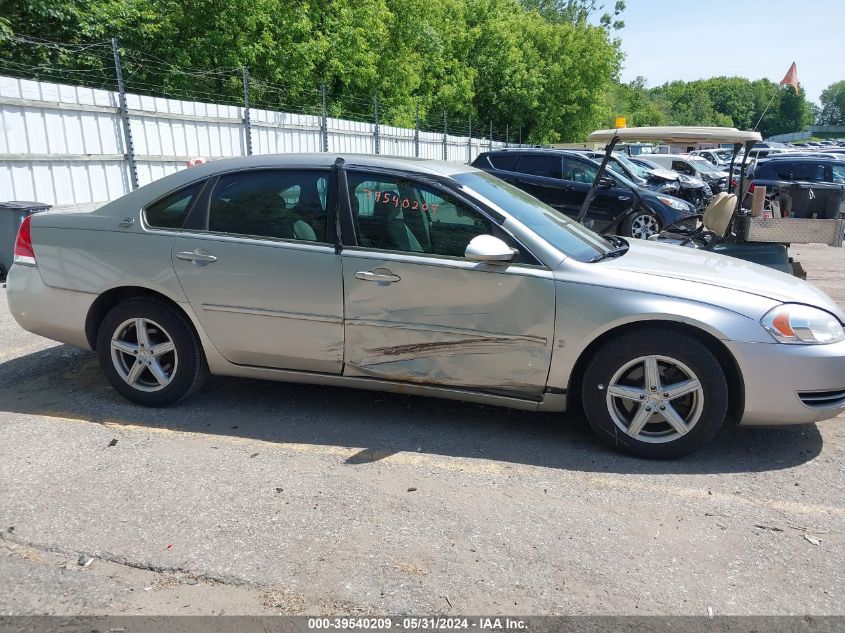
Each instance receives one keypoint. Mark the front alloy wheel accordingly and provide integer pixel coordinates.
(655, 399)
(643, 226)
(656, 391)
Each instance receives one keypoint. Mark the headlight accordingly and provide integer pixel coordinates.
(669, 187)
(800, 325)
(680, 205)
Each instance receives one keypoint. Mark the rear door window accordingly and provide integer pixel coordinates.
(796, 170)
(281, 204)
(547, 165)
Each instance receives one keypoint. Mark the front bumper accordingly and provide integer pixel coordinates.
(54, 313)
(791, 384)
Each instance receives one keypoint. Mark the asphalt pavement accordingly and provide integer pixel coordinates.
(260, 498)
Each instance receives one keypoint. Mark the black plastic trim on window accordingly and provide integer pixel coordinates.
(197, 219)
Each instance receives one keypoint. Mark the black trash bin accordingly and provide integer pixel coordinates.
(11, 216)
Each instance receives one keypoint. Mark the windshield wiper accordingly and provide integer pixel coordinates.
(614, 240)
(614, 252)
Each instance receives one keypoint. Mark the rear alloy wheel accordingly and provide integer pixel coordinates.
(144, 355)
(150, 353)
(656, 393)
(642, 225)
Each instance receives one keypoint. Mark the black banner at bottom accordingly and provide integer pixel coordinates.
(411, 623)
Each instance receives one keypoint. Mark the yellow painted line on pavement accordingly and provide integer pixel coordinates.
(23, 350)
(485, 467)
(477, 466)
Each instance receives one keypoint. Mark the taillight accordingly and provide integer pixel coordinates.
(23, 244)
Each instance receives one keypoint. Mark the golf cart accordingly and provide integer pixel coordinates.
(727, 227)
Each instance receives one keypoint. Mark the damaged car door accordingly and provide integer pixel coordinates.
(417, 310)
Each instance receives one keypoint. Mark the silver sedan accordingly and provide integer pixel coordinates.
(428, 278)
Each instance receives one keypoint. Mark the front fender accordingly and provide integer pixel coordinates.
(586, 312)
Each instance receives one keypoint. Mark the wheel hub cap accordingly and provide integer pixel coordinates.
(144, 355)
(655, 399)
(644, 226)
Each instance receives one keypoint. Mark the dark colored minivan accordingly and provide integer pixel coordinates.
(562, 179)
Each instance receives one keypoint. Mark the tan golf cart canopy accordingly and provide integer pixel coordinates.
(677, 134)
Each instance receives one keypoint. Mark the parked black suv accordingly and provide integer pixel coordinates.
(805, 186)
(562, 179)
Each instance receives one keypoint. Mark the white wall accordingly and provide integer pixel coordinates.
(64, 145)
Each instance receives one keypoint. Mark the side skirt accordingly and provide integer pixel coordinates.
(550, 402)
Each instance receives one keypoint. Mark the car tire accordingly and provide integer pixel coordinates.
(150, 353)
(681, 415)
(642, 225)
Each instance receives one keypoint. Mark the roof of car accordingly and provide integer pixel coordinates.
(796, 156)
(677, 134)
(327, 159)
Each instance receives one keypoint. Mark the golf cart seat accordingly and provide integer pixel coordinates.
(714, 224)
(717, 216)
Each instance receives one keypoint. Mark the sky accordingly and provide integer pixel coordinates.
(664, 40)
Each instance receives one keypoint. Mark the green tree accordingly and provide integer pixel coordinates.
(833, 104)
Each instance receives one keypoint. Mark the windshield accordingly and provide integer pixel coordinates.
(650, 164)
(621, 177)
(702, 164)
(641, 172)
(569, 237)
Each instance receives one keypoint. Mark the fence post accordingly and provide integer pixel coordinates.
(520, 135)
(247, 124)
(491, 135)
(124, 117)
(445, 139)
(324, 122)
(507, 134)
(469, 140)
(376, 135)
(417, 132)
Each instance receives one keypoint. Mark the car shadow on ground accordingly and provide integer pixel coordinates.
(64, 382)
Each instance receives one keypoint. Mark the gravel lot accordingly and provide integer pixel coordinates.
(262, 498)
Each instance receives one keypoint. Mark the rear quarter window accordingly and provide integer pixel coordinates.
(505, 162)
(170, 211)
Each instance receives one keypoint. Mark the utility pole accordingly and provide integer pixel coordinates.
(417, 132)
(124, 117)
(469, 140)
(247, 125)
(445, 139)
(376, 135)
(324, 122)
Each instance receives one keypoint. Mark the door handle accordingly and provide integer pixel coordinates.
(386, 277)
(199, 256)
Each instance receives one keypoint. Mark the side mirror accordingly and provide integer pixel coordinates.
(589, 224)
(486, 248)
(605, 182)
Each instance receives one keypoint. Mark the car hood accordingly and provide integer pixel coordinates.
(664, 174)
(711, 272)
